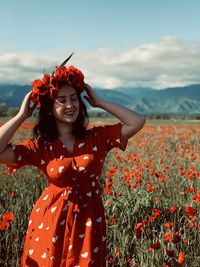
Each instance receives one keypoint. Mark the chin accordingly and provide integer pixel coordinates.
(70, 120)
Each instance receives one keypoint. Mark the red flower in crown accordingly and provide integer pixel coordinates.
(49, 84)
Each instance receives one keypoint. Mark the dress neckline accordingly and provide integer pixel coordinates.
(65, 148)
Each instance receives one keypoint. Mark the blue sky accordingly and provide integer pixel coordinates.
(50, 30)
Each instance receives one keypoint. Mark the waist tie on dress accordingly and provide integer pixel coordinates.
(75, 197)
(72, 193)
(77, 200)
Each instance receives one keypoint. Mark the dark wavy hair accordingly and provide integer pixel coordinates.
(46, 128)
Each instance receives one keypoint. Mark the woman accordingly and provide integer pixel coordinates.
(67, 223)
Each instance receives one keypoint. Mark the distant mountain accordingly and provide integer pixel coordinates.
(177, 100)
(12, 95)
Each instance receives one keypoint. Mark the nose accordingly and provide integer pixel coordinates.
(68, 104)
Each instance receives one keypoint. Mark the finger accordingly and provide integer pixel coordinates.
(86, 97)
(88, 91)
(88, 87)
(28, 94)
(33, 107)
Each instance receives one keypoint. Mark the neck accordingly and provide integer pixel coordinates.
(65, 130)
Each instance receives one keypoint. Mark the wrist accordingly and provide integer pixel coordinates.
(20, 117)
(100, 103)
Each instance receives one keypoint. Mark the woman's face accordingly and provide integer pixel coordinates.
(66, 106)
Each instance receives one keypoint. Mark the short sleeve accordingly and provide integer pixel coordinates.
(26, 153)
(109, 136)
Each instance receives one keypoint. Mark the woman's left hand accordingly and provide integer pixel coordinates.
(92, 98)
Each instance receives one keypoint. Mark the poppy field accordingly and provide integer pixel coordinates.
(151, 194)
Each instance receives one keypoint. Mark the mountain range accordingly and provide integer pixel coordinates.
(177, 100)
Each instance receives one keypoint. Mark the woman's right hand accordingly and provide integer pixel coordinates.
(26, 110)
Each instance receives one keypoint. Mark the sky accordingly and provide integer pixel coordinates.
(130, 43)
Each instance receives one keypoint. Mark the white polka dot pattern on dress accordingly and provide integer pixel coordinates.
(13, 147)
(96, 249)
(44, 255)
(30, 251)
(94, 148)
(64, 193)
(54, 239)
(103, 238)
(98, 219)
(62, 222)
(88, 223)
(81, 235)
(42, 162)
(40, 226)
(84, 255)
(45, 198)
(80, 169)
(80, 145)
(89, 194)
(60, 169)
(65, 207)
(97, 191)
(53, 209)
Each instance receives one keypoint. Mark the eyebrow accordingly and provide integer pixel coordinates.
(63, 96)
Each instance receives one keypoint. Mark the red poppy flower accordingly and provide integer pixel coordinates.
(155, 245)
(171, 209)
(190, 211)
(168, 225)
(196, 198)
(181, 258)
(12, 194)
(4, 225)
(8, 216)
(170, 253)
(49, 84)
(176, 238)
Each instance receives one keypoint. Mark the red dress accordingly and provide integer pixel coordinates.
(67, 224)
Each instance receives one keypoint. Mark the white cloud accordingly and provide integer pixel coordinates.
(167, 62)
(22, 68)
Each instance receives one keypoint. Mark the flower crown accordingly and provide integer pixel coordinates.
(49, 84)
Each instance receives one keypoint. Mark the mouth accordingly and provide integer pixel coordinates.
(69, 113)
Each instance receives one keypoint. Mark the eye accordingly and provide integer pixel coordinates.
(74, 99)
(60, 100)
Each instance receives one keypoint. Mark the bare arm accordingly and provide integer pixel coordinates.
(132, 121)
(8, 130)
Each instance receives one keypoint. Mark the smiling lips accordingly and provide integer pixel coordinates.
(69, 112)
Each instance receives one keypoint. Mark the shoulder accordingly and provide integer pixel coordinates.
(94, 129)
(32, 144)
